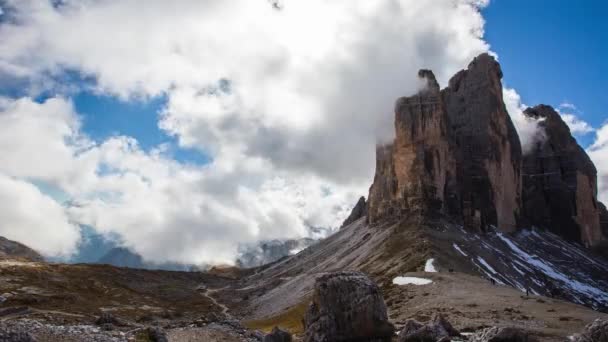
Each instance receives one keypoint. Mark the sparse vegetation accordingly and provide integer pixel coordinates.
(290, 320)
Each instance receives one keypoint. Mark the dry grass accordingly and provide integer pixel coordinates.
(290, 320)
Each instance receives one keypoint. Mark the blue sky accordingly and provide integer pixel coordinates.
(553, 52)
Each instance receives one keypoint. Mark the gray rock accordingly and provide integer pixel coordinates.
(505, 334)
(12, 334)
(106, 318)
(359, 210)
(347, 306)
(438, 329)
(278, 335)
(597, 331)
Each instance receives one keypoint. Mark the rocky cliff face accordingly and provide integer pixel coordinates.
(455, 152)
(560, 182)
(413, 173)
(489, 151)
(359, 210)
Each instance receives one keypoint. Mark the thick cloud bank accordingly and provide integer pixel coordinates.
(288, 100)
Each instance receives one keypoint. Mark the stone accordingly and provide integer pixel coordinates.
(15, 334)
(106, 318)
(560, 182)
(438, 329)
(347, 306)
(502, 334)
(278, 335)
(359, 210)
(596, 331)
(157, 334)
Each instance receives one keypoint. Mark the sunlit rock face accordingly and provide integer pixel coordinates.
(560, 182)
(412, 172)
(455, 152)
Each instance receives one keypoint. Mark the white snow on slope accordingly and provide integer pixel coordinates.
(486, 265)
(411, 281)
(429, 267)
(550, 271)
(456, 247)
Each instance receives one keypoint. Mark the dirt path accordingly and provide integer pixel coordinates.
(208, 293)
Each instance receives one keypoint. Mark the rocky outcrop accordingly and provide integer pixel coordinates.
(438, 329)
(603, 219)
(488, 148)
(455, 152)
(347, 306)
(14, 250)
(278, 335)
(413, 171)
(502, 334)
(358, 212)
(560, 182)
(597, 331)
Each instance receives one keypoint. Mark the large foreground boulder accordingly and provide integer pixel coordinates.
(597, 331)
(438, 329)
(347, 306)
(504, 334)
(278, 335)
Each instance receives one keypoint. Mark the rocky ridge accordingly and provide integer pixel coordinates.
(14, 250)
(456, 153)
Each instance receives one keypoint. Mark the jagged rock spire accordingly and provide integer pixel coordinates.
(560, 182)
(455, 152)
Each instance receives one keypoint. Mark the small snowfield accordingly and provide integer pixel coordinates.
(429, 266)
(411, 281)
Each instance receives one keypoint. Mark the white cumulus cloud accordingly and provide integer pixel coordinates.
(287, 100)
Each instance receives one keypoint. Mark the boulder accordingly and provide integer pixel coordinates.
(560, 182)
(438, 329)
(278, 335)
(596, 331)
(502, 334)
(347, 306)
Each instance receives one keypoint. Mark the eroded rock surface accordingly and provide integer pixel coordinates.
(278, 335)
(597, 331)
(560, 182)
(12, 249)
(347, 306)
(438, 329)
(412, 172)
(358, 212)
(489, 151)
(502, 334)
(455, 152)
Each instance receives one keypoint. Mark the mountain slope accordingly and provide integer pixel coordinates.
(14, 250)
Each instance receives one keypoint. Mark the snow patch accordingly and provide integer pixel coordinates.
(486, 265)
(429, 267)
(295, 251)
(411, 281)
(456, 247)
(549, 270)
